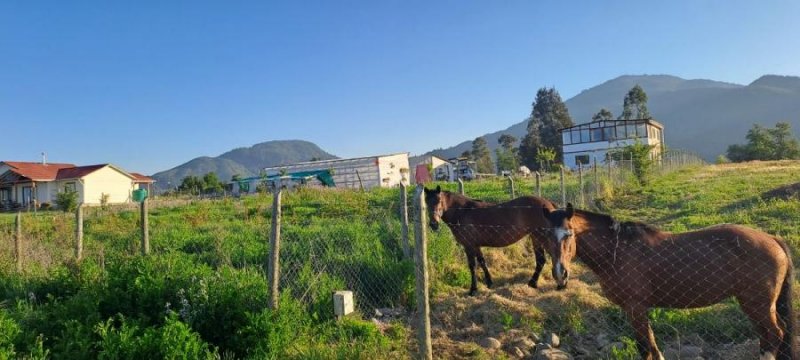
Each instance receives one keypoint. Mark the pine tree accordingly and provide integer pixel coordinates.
(549, 114)
(506, 155)
(603, 114)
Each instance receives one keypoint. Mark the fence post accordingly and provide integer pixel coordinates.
(460, 186)
(511, 188)
(423, 303)
(608, 162)
(79, 232)
(538, 184)
(596, 180)
(273, 266)
(580, 184)
(145, 227)
(18, 241)
(563, 191)
(404, 219)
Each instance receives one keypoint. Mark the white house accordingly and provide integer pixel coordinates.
(439, 168)
(28, 183)
(364, 172)
(585, 143)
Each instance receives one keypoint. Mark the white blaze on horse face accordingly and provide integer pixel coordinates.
(561, 234)
(766, 356)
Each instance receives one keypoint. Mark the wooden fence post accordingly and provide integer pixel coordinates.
(511, 188)
(145, 227)
(563, 190)
(404, 219)
(423, 302)
(596, 180)
(580, 184)
(18, 241)
(460, 186)
(538, 184)
(79, 232)
(273, 266)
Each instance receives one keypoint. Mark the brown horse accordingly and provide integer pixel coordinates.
(477, 223)
(640, 267)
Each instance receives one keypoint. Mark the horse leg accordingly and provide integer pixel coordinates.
(473, 288)
(540, 261)
(763, 316)
(482, 261)
(645, 340)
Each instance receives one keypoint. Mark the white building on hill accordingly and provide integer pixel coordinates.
(588, 142)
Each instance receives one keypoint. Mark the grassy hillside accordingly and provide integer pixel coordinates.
(203, 290)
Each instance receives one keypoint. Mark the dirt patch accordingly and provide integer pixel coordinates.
(519, 317)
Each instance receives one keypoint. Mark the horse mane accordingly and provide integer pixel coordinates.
(626, 229)
(466, 202)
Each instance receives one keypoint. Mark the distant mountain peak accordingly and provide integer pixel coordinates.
(244, 161)
(778, 81)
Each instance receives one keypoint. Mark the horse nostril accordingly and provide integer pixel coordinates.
(566, 274)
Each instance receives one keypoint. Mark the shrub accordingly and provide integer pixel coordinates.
(67, 200)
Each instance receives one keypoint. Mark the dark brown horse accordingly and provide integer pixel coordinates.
(640, 267)
(477, 223)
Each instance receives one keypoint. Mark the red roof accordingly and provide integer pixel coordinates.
(37, 171)
(78, 171)
(139, 178)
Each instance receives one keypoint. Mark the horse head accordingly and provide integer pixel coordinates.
(561, 242)
(435, 201)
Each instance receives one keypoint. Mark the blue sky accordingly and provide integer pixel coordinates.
(150, 85)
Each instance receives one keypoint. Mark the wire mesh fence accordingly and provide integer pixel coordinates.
(703, 294)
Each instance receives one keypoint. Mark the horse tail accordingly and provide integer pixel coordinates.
(788, 347)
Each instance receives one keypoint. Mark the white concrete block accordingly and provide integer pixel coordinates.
(343, 302)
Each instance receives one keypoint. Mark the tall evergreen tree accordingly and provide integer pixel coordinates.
(603, 114)
(549, 114)
(482, 156)
(634, 105)
(766, 144)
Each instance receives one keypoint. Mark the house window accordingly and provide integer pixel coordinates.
(641, 131)
(585, 135)
(597, 134)
(631, 131)
(70, 186)
(621, 132)
(582, 159)
(609, 133)
(576, 136)
(566, 138)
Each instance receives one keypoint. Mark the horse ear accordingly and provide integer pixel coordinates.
(570, 211)
(438, 188)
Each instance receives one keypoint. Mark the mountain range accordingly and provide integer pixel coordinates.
(243, 161)
(703, 116)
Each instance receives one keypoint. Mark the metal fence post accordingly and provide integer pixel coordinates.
(18, 241)
(422, 286)
(538, 184)
(79, 232)
(404, 219)
(460, 186)
(145, 227)
(563, 190)
(273, 265)
(511, 188)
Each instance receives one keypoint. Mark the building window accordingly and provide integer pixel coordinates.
(597, 134)
(609, 133)
(621, 132)
(576, 136)
(70, 186)
(582, 159)
(641, 131)
(585, 135)
(566, 138)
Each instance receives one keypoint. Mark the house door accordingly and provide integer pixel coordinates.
(27, 193)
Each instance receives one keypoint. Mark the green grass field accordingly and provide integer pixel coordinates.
(202, 293)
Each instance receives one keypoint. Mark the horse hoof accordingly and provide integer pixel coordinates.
(472, 292)
(489, 285)
(533, 285)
